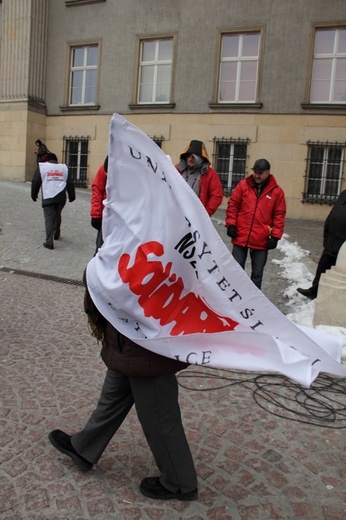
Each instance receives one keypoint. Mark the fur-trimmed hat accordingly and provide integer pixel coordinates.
(196, 148)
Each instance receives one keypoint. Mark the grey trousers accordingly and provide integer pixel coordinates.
(157, 407)
(52, 220)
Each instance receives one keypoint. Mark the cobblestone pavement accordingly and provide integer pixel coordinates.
(254, 460)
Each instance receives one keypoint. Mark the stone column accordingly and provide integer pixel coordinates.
(23, 50)
(24, 35)
(331, 298)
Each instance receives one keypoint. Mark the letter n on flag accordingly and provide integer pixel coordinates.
(165, 279)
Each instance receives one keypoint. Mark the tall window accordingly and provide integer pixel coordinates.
(230, 161)
(328, 80)
(76, 157)
(239, 68)
(325, 162)
(155, 71)
(83, 75)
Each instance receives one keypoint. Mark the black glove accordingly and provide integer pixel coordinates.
(34, 199)
(72, 199)
(232, 231)
(272, 243)
(96, 223)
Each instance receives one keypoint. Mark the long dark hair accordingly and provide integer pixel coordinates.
(96, 321)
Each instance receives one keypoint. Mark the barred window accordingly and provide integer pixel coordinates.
(324, 172)
(158, 140)
(229, 159)
(76, 157)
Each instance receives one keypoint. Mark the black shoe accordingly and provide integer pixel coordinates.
(309, 293)
(152, 488)
(62, 442)
(57, 235)
(47, 246)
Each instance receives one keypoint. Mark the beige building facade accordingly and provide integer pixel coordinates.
(250, 79)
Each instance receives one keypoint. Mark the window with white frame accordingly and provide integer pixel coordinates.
(238, 75)
(75, 154)
(324, 172)
(83, 75)
(229, 159)
(155, 71)
(328, 78)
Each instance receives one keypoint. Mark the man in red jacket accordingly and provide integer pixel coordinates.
(195, 167)
(98, 195)
(255, 218)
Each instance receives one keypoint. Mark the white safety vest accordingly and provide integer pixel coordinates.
(54, 179)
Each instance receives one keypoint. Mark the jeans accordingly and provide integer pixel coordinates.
(258, 261)
(99, 241)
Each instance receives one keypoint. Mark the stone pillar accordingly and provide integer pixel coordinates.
(331, 298)
(24, 35)
(23, 50)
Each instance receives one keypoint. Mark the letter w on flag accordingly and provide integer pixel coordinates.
(165, 279)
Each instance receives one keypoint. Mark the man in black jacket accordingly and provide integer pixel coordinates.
(334, 236)
(54, 180)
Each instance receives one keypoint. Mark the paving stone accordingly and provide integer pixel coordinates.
(251, 463)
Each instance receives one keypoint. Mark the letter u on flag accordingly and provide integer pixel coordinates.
(165, 279)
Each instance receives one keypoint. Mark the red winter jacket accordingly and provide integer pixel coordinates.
(211, 191)
(256, 218)
(98, 193)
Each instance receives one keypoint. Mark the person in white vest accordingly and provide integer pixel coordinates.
(54, 181)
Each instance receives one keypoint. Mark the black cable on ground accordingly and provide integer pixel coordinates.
(322, 404)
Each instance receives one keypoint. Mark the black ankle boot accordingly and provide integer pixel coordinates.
(309, 293)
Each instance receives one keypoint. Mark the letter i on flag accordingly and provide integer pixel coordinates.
(165, 279)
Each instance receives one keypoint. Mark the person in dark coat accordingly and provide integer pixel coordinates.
(135, 376)
(42, 151)
(54, 181)
(334, 235)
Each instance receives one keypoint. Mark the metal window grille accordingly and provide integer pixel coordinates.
(75, 155)
(229, 160)
(324, 172)
(158, 140)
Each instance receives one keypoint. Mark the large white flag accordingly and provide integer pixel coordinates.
(165, 279)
